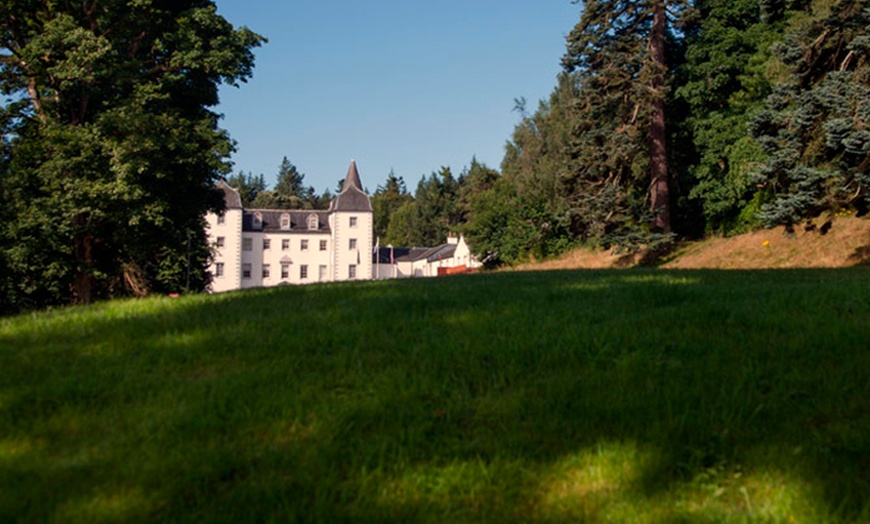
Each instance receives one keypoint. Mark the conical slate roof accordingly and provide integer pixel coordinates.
(352, 196)
(231, 196)
(352, 178)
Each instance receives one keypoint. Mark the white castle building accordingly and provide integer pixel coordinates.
(268, 247)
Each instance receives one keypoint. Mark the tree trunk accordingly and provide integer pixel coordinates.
(659, 191)
(83, 282)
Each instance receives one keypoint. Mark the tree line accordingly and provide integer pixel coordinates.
(670, 119)
(680, 118)
(290, 191)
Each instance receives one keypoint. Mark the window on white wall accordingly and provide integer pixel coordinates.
(267, 243)
(352, 244)
(221, 218)
(353, 221)
(303, 272)
(303, 245)
(351, 271)
(266, 271)
(285, 244)
(219, 241)
(219, 269)
(246, 270)
(285, 271)
(247, 244)
(323, 245)
(322, 273)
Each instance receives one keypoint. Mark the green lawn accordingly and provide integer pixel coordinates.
(642, 396)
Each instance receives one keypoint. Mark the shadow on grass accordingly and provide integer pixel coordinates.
(529, 396)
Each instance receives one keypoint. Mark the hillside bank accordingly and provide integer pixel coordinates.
(843, 241)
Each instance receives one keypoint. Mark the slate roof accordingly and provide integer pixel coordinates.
(231, 196)
(298, 221)
(414, 254)
(383, 254)
(352, 196)
(440, 252)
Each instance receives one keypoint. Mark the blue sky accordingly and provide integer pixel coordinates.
(394, 84)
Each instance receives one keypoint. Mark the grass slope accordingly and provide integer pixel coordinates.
(643, 396)
(842, 242)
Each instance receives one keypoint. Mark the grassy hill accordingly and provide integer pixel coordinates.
(637, 395)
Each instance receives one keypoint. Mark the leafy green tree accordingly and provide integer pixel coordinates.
(537, 156)
(435, 200)
(488, 231)
(402, 227)
(424, 219)
(248, 186)
(473, 181)
(538, 162)
(289, 192)
(324, 200)
(814, 128)
(112, 149)
(727, 57)
(507, 226)
(387, 199)
(314, 201)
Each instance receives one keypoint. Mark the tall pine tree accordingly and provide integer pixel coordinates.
(618, 51)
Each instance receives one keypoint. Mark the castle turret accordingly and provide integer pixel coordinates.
(352, 222)
(225, 237)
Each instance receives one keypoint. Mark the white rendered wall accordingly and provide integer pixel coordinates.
(230, 254)
(344, 255)
(295, 257)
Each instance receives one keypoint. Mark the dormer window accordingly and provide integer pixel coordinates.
(313, 222)
(257, 222)
(285, 221)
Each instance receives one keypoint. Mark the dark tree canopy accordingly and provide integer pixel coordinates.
(290, 191)
(724, 83)
(387, 199)
(708, 115)
(426, 219)
(111, 150)
(248, 185)
(814, 126)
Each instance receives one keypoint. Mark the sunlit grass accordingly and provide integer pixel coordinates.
(641, 396)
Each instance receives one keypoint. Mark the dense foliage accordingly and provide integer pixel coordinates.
(670, 118)
(110, 149)
(422, 220)
(765, 108)
(386, 201)
(814, 126)
(290, 191)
